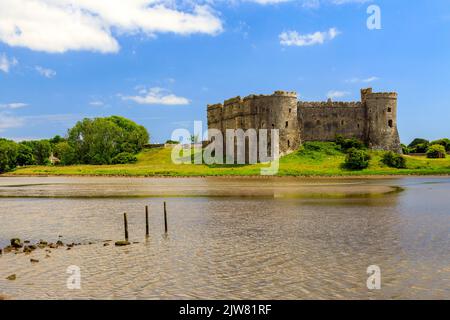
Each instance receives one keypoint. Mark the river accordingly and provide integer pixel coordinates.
(229, 238)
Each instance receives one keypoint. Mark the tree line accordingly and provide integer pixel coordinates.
(111, 140)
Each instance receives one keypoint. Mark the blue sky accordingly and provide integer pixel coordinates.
(161, 62)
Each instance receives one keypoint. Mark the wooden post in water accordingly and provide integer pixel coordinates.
(165, 217)
(146, 222)
(125, 222)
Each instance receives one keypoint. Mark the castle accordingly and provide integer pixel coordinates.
(372, 120)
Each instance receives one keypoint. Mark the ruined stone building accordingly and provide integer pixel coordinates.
(373, 120)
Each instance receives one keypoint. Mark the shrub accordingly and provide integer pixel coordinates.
(123, 158)
(394, 160)
(350, 143)
(8, 155)
(357, 159)
(443, 142)
(436, 151)
(25, 155)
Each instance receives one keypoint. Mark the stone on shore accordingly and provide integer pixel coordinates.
(11, 277)
(122, 243)
(15, 243)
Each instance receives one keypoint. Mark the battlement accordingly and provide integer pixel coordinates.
(329, 104)
(373, 119)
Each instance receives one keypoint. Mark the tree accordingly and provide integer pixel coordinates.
(8, 155)
(347, 144)
(100, 140)
(65, 153)
(357, 159)
(25, 155)
(436, 151)
(418, 145)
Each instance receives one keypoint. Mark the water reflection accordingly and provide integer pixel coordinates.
(269, 246)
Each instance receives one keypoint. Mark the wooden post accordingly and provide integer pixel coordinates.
(146, 221)
(165, 217)
(125, 222)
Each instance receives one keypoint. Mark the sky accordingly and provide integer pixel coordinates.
(160, 62)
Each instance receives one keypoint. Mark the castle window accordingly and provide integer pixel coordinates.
(289, 144)
(358, 126)
(273, 126)
(390, 123)
(290, 110)
(318, 122)
(342, 122)
(287, 124)
(389, 109)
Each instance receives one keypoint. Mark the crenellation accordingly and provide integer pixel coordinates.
(372, 120)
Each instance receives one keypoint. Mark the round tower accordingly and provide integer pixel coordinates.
(382, 132)
(279, 111)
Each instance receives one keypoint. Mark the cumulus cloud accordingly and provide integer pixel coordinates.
(57, 26)
(48, 73)
(158, 96)
(293, 38)
(6, 63)
(334, 94)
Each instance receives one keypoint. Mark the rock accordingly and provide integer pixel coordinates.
(15, 243)
(26, 241)
(69, 248)
(47, 256)
(1, 252)
(11, 277)
(59, 243)
(122, 243)
(7, 249)
(42, 242)
(52, 246)
(29, 249)
(106, 244)
(34, 260)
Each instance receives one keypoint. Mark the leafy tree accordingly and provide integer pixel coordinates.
(436, 151)
(25, 155)
(394, 160)
(357, 159)
(8, 155)
(65, 153)
(100, 140)
(405, 149)
(418, 145)
(56, 139)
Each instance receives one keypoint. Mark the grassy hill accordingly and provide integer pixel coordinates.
(314, 159)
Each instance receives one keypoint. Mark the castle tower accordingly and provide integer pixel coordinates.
(381, 110)
(279, 111)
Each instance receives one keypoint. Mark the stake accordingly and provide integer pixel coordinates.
(165, 217)
(146, 221)
(125, 223)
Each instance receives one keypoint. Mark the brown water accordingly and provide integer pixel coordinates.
(229, 238)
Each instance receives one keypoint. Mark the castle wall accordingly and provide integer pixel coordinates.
(322, 121)
(373, 120)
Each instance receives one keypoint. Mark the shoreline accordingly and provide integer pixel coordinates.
(337, 177)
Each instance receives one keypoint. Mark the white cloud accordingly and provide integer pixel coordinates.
(57, 26)
(6, 63)
(366, 80)
(48, 73)
(15, 105)
(334, 94)
(8, 121)
(293, 38)
(157, 96)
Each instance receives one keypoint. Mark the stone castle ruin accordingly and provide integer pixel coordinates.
(372, 120)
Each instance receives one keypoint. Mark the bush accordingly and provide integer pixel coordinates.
(123, 158)
(443, 142)
(357, 159)
(350, 143)
(65, 153)
(394, 160)
(25, 155)
(436, 151)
